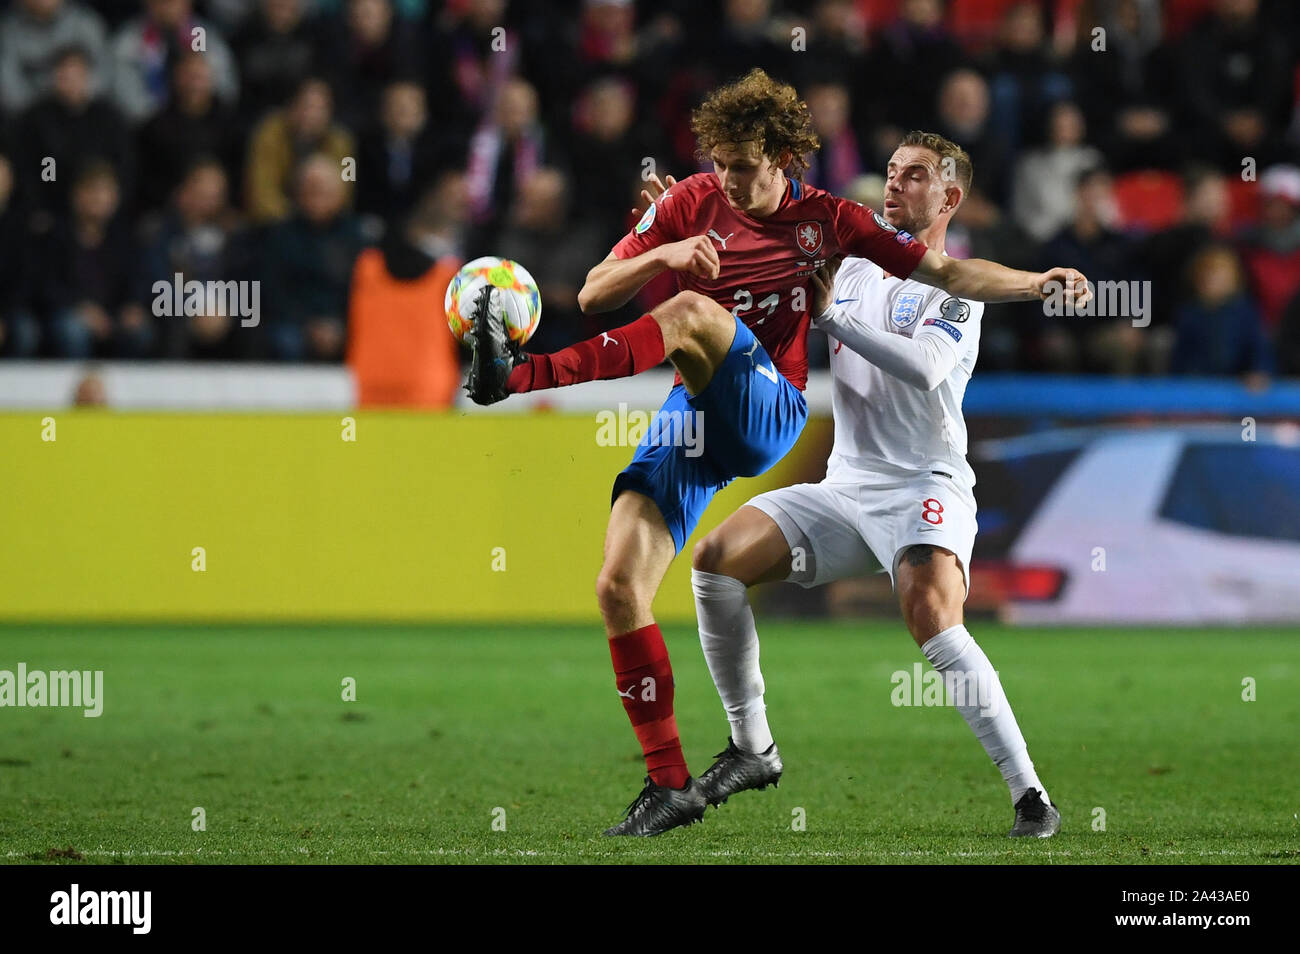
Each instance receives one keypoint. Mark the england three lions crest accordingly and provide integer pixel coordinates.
(907, 307)
(809, 237)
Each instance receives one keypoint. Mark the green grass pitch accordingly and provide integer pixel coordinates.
(455, 728)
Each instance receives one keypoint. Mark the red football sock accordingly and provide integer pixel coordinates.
(620, 353)
(645, 681)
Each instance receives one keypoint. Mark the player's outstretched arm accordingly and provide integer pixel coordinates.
(922, 361)
(982, 280)
(614, 281)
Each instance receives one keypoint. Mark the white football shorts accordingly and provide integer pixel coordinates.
(833, 529)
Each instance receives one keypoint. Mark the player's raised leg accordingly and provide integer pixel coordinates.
(638, 549)
(931, 591)
(692, 331)
(747, 549)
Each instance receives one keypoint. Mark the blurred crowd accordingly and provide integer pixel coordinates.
(347, 154)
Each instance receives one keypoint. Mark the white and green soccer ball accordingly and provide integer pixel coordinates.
(514, 297)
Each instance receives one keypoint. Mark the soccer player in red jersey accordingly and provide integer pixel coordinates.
(744, 242)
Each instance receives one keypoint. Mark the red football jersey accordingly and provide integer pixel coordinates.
(767, 264)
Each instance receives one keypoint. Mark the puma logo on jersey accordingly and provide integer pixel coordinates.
(628, 693)
(765, 372)
(721, 241)
(605, 339)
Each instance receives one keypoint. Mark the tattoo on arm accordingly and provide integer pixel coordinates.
(919, 555)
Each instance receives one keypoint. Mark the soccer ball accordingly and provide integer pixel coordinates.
(514, 297)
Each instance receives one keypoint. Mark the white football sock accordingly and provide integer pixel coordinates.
(730, 644)
(955, 653)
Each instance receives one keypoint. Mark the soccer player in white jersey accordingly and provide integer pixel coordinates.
(897, 486)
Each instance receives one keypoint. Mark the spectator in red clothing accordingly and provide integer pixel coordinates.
(1272, 251)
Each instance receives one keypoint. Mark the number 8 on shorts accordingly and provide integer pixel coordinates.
(933, 512)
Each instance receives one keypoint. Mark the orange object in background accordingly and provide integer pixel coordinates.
(399, 346)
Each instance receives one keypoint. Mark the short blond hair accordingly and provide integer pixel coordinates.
(964, 170)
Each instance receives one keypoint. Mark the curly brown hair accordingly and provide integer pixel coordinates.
(760, 109)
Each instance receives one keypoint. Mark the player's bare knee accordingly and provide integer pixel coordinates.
(612, 592)
(619, 594)
(711, 324)
(929, 608)
(708, 555)
(919, 602)
(696, 308)
(675, 315)
(688, 319)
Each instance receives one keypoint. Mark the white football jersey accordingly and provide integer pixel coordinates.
(881, 422)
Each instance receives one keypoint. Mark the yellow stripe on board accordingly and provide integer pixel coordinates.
(298, 524)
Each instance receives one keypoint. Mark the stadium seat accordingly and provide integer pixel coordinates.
(878, 13)
(1243, 203)
(1065, 10)
(1149, 199)
(1181, 15)
(1065, 19)
(975, 22)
